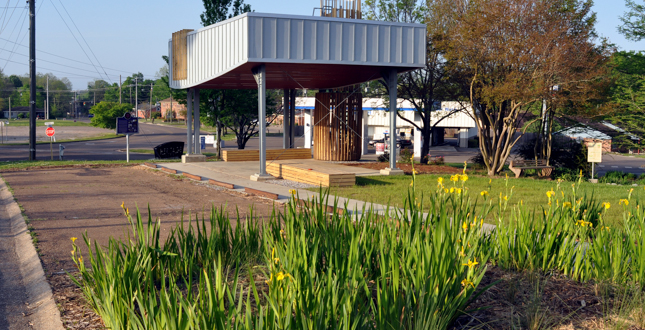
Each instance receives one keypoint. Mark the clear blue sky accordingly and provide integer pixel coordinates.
(131, 36)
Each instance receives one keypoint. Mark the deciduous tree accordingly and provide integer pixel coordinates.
(423, 88)
(513, 55)
(106, 113)
(633, 21)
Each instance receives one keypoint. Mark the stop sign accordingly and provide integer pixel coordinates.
(49, 131)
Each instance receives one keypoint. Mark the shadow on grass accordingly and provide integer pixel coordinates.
(371, 181)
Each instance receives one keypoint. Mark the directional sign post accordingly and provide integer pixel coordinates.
(50, 132)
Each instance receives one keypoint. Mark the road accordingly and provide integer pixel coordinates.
(149, 136)
(628, 164)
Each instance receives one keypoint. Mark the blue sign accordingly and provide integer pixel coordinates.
(203, 142)
(127, 125)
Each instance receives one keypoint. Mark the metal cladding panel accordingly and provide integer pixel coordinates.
(219, 56)
(315, 40)
(213, 51)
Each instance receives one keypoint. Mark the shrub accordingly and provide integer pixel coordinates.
(106, 113)
(620, 177)
(406, 156)
(564, 154)
(438, 160)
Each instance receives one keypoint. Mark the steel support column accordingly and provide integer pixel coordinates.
(259, 73)
(292, 119)
(197, 125)
(189, 121)
(286, 122)
(391, 79)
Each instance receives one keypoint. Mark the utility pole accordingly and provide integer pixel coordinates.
(119, 89)
(9, 107)
(150, 109)
(32, 83)
(136, 97)
(47, 115)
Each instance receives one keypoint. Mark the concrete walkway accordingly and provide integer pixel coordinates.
(239, 173)
(26, 300)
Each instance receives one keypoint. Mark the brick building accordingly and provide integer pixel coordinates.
(178, 110)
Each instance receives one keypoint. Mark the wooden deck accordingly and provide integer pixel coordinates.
(312, 172)
(272, 154)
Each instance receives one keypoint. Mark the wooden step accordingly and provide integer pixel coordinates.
(319, 176)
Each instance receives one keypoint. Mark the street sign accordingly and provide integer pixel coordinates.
(594, 152)
(49, 123)
(50, 131)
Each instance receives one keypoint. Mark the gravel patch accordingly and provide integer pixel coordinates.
(292, 184)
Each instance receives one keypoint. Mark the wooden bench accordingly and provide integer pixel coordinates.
(272, 154)
(299, 172)
(518, 166)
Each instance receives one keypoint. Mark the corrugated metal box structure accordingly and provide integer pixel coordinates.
(299, 51)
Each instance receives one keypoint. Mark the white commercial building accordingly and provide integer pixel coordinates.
(450, 114)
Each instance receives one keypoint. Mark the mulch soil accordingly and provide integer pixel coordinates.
(407, 168)
(60, 203)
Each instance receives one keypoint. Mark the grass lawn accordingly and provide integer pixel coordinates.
(532, 192)
(89, 138)
(209, 130)
(40, 122)
(25, 164)
(150, 151)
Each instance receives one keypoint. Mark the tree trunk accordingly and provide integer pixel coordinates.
(219, 139)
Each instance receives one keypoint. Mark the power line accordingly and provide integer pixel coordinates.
(18, 36)
(7, 21)
(82, 37)
(67, 66)
(79, 44)
(76, 61)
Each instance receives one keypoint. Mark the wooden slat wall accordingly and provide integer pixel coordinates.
(179, 55)
(341, 8)
(337, 130)
(272, 154)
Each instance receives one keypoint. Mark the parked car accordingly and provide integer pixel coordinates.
(90, 115)
(372, 142)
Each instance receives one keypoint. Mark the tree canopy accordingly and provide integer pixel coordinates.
(513, 55)
(105, 113)
(633, 21)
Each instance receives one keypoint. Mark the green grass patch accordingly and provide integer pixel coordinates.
(208, 130)
(21, 165)
(529, 191)
(142, 151)
(41, 123)
(106, 136)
